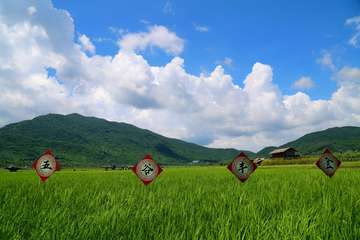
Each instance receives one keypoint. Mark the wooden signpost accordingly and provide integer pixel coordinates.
(328, 163)
(45, 166)
(242, 167)
(147, 170)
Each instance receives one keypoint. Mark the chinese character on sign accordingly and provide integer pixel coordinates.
(328, 163)
(242, 167)
(147, 170)
(46, 165)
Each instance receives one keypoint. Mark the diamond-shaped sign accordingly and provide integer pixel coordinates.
(242, 167)
(328, 163)
(46, 165)
(147, 170)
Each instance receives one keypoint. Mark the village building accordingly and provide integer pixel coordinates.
(284, 153)
(258, 161)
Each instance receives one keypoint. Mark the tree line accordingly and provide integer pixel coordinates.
(347, 156)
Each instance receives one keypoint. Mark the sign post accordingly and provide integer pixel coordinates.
(328, 163)
(242, 167)
(147, 170)
(45, 166)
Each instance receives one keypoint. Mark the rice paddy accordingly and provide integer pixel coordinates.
(276, 202)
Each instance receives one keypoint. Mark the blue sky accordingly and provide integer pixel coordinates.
(242, 74)
(288, 35)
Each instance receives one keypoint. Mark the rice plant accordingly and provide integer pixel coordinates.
(281, 202)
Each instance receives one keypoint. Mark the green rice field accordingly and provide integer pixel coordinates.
(276, 202)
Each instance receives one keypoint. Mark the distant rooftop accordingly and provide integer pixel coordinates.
(281, 150)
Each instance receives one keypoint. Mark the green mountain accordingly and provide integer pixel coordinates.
(337, 139)
(264, 153)
(75, 138)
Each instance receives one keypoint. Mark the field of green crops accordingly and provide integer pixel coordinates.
(276, 202)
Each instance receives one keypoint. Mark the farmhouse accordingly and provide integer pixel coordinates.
(284, 153)
(258, 161)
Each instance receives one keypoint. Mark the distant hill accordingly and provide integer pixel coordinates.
(264, 153)
(75, 138)
(78, 139)
(337, 139)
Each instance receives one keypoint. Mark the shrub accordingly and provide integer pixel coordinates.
(282, 161)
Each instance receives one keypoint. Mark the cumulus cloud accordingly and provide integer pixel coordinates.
(158, 36)
(349, 74)
(355, 39)
(86, 44)
(207, 109)
(303, 83)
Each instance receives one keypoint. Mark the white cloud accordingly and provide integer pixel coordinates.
(86, 44)
(326, 61)
(117, 31)
(257, 141)
(303, 83)
(31, 10)
(227, 61)
(207, 109)
(167, 8)
(144, 21)
(345, 102)
(300, 110)
(158, 36)
(349, 74)
(202, 28)
(103, 39)
(355, 39)
(260, 81)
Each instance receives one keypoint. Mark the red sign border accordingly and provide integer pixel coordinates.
(134, 169)
(230, 167)
(318, 163)
(56, 167)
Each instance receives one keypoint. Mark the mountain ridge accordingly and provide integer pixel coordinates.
(80, 139)
(76, 138)
(336, 139)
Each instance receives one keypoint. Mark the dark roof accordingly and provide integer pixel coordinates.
(282, 150)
